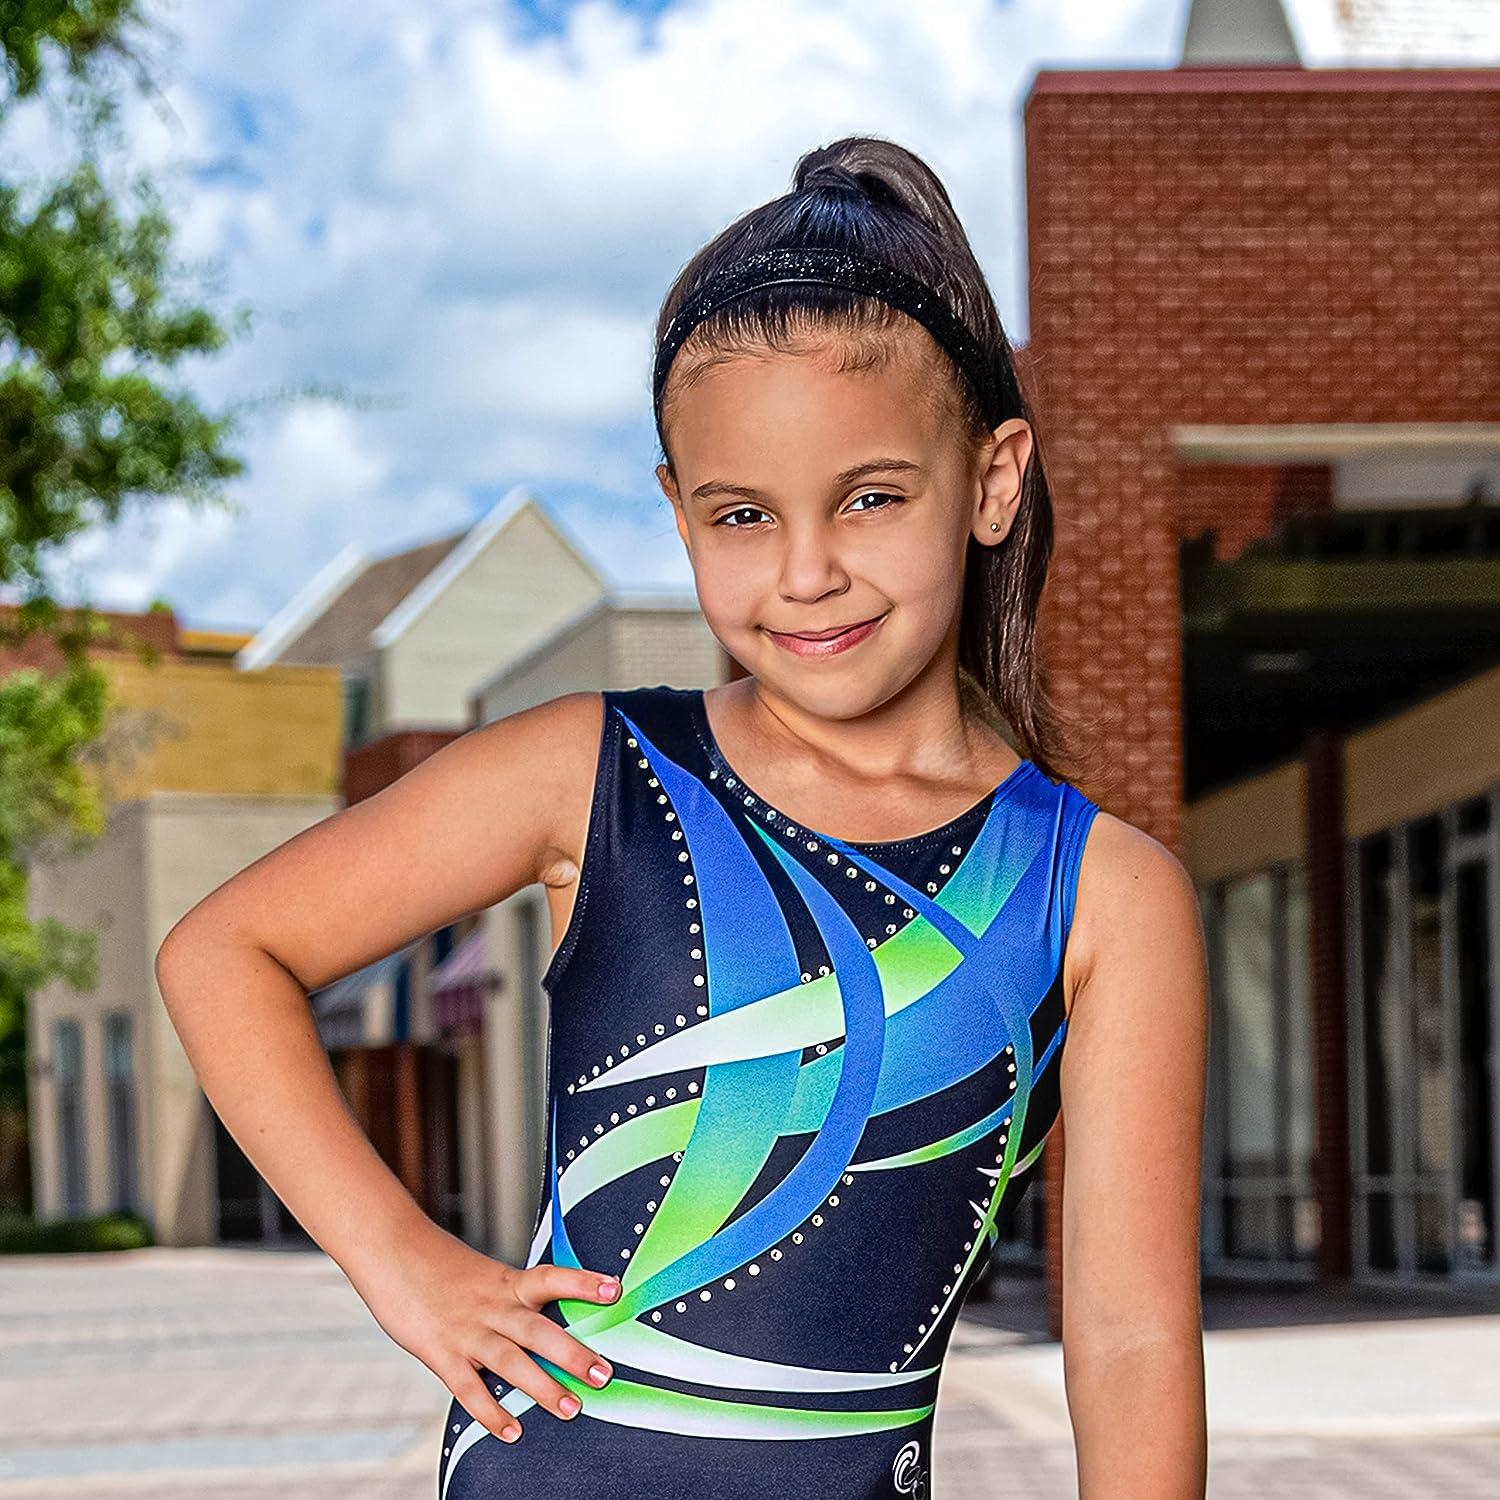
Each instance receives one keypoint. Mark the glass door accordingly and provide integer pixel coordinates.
(1424, 1111)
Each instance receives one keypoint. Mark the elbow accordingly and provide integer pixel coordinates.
(1141, 1346)
(166, 962)
(174, 956)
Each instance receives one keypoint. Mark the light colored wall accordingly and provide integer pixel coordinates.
(577, 662)
(515, 1104)
(621, 647)
(474, 1146)
(1427, 757)
(1245, 827)
(157, 857)
(99, 890)
(1418, 761)
(197, 842)
(666, 646)
(524, 585)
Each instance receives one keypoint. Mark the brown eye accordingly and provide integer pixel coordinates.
(880, 496)
(742, 515)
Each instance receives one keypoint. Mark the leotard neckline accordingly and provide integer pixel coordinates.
(733, 778)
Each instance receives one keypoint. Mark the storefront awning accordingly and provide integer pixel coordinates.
(460, 986)
(1327, 442)
(341, 1009)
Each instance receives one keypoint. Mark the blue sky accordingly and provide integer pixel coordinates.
(465, 214)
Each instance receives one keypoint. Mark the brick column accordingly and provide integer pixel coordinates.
(410, 1145)
(1053, 1157)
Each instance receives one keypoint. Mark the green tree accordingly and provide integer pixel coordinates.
(95, 314)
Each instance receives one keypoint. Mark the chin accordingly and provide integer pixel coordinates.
(832, 690)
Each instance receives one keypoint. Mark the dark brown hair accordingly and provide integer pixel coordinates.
(868, 194)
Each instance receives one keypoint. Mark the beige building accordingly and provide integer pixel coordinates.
(204, 769)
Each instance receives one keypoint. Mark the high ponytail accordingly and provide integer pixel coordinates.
(868, 194)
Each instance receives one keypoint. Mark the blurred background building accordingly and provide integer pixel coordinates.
(205, 769)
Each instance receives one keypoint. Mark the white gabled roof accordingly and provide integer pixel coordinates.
(477, 539)
(301, 609)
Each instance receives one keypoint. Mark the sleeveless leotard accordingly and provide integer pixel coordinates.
(795, 1085)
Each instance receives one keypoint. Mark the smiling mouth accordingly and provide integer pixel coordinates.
(829, 642)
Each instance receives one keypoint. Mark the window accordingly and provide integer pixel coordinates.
(356, 710)
(1423, 1054)
(67, 1073)
(1259, 1208)
(119, 1084)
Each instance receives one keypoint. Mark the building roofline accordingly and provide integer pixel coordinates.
(613, 602)
(554, 638)
(305, 606)
(478, 537)
(683, 599)
(1262, 78)
(178, 799)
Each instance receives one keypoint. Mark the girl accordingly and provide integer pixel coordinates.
(820, 936)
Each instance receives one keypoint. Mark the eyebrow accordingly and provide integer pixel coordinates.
(713, 487)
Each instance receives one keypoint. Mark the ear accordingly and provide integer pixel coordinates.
(669, 489)
(1002, 466)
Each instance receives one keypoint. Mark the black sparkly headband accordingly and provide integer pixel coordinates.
(837, 268)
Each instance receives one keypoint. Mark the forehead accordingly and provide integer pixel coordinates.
(816, 401)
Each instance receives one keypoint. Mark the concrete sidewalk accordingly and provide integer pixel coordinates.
(1415, 1378)
(251, 1374)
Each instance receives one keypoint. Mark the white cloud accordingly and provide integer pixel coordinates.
(474, 224)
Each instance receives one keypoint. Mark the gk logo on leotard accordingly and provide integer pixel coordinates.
(907, 1473)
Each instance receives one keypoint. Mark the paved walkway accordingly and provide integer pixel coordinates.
(260, 1375)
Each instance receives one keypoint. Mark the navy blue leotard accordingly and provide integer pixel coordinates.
(795, 1083)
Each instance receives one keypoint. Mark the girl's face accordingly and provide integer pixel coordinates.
(827, 514)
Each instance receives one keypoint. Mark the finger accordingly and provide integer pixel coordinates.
(475, 1398)
(538, 1285)
(512, 1363)
(537, 1331)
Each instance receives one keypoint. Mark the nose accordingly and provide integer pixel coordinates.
(810, 566)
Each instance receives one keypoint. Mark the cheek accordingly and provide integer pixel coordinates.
(730, 585)
(919, 570)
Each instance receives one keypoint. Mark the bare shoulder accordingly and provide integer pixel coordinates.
(1134, 897)
(555, 745)
(566, 728)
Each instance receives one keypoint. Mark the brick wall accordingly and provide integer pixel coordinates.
(1223, 245)
(1220, 245)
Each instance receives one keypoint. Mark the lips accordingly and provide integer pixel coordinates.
(828, 642)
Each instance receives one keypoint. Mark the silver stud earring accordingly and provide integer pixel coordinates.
(994, 526)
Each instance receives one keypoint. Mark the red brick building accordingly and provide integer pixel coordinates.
(1265, 356)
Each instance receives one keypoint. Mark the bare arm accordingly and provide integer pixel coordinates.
(492, 812)
(1133, 1097)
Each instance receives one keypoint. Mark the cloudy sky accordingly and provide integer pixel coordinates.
(463, 214)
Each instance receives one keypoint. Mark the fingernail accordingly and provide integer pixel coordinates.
(609, 1290)
(570, 1405)
(511, 1433)
(598, 1374)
